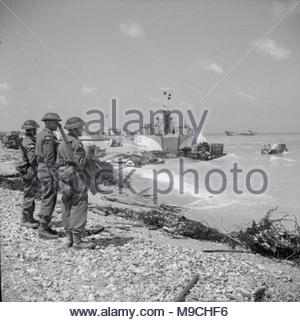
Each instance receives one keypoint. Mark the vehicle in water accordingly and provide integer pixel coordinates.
(204, 151)
(274, 149)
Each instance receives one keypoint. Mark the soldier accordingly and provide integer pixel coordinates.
(29, 179)
(46, 151)
(74, 185)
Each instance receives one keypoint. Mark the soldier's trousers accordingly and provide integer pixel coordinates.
(75, 206)
(48, 181)
(29, 193)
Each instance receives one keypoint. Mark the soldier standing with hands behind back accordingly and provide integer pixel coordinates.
(46, 151)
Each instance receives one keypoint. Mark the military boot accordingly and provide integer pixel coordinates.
(43, 232)
(25, 222)
(52, 231)
(33, 220)
(69, 236)
(78, 243)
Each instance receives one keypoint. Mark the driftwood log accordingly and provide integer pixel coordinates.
(182, 295)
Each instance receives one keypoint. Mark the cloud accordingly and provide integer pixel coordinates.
(89, 90)
(247, 96)
(5, 87)
(280, 7)
(4, 101)
(131, 29)
(212, 67)
(270, 48)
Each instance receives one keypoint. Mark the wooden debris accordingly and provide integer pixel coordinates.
(182, 295)
(259, 294)
(269, 237)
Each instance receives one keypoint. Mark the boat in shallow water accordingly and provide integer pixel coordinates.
(171, 141)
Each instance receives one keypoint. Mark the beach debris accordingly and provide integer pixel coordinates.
(182, 295)
(102, 172)
(94, 230)
(259, 294)
(11, 182)
(168, 217)
(270, 237)
(10, 141)
(94, 152)
(138, 158)
(223, 251)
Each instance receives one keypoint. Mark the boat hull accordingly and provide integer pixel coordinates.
(167, 143)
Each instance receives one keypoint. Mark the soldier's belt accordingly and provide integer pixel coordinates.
(67, 164)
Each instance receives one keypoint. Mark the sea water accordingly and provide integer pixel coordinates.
(229, 210)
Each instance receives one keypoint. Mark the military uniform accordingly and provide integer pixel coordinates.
(30, 183)
(74, 185)
(27, 169)
(29, 180)
(74, 182)
(46, 152)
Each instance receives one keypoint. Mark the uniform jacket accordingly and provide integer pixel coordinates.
(79, 152)
(46, 147)
(29, 142)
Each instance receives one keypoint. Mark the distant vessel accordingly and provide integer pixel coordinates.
(232, 133)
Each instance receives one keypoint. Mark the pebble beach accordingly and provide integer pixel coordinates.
(132, 262)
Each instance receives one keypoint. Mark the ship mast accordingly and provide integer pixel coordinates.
(167, 95)
(166, 116)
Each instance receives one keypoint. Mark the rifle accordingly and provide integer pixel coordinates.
(72, 158)
(68, 145)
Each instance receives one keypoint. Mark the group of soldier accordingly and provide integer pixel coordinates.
(44, 156)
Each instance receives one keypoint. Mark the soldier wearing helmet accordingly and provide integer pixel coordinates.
(29, 181)
(74, 185)
(46, 151)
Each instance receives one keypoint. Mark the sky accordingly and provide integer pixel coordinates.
(239, 59)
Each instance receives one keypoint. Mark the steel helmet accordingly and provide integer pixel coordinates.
(74, 123)
(30, 124)
(51, 117)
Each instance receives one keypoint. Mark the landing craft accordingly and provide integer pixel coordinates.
(175, 140)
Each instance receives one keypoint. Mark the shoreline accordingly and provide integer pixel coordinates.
(151, 265)
(141, 256)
